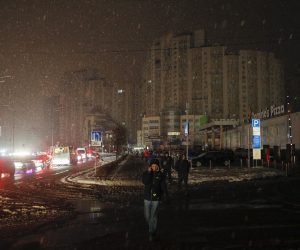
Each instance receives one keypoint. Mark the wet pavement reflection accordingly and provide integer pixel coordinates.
(84, 227)
(90, 210)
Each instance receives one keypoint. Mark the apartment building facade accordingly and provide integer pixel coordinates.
(151, 134)
(82, 93)
(213, 81)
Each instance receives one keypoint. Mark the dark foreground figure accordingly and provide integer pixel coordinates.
(155, 188)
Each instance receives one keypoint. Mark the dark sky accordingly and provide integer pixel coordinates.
(49, 37)
(41, 39)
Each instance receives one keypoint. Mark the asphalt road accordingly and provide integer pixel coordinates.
(220, 213)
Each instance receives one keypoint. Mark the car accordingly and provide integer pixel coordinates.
(242, 153)
(61, 155)
(24, 165)
(81, 154)
(7, 167)
(223, 157)
(42, 160)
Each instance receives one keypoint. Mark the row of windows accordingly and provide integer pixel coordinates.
(151, 128)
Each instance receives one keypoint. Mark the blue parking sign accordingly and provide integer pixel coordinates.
(255, 123)
(256, 141)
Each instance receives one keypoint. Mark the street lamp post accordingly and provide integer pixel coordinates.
(53, 123)
(52, 135)
(187, 132)
(290, 137)
(3, 79)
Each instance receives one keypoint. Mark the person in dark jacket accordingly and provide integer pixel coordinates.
(167, 165)
(155, 189)
(183, 168)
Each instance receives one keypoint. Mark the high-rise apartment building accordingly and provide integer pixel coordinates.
(261, 82)
(210, 78)
(82, 92)
(230, 86)
(247, 83)
(167, 74)
(276, 79)
(179, 89)
(197, 96)
(50, 119)
(213, 80)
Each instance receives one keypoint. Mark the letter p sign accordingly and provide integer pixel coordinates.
(255, 123)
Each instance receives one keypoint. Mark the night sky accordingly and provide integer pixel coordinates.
(42, 39)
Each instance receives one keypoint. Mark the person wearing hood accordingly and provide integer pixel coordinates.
(154, 190)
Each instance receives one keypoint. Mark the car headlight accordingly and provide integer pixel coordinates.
(18, 164)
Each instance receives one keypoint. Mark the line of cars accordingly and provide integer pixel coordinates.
(9, 165)
(65, 155)
(82, 154)
(60, 156)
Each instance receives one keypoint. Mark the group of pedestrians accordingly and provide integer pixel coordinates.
(155, 180)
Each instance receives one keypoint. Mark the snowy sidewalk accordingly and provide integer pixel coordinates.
(196, 176)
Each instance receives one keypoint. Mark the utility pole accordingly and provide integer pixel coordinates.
(248, 138)
(187, 132)
(290, 137)
(52, 124)
(13, 131)
(3, 79)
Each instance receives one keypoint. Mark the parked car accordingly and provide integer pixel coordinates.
(7, 167)
(242, 153)
(223, 157)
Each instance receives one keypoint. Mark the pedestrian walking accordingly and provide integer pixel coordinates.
(183, 168)
(167, 164)
(155, 189)
(146, 154)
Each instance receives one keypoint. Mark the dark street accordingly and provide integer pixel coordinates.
(106, 106)
(259, 213)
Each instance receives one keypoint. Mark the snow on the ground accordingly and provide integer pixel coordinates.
(196, 176)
